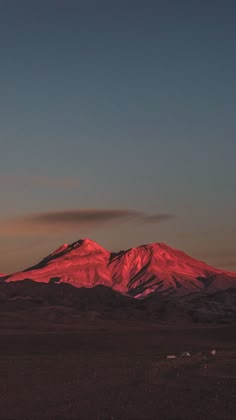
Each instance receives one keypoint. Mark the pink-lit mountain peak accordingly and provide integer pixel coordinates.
(161, 254)
(169, 255)
(138, 271)
(77, 248)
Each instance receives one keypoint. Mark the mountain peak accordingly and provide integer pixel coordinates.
(60, 250)
(90, 242)
(140, 271)
(87, 243)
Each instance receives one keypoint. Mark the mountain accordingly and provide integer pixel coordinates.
(29, 301)
(153, 269)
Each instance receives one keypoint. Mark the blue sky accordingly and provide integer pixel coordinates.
(118, 106)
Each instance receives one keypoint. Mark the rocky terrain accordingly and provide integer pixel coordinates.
(152, 281)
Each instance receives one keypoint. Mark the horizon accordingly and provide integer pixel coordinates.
(53, 251)
(118, 123)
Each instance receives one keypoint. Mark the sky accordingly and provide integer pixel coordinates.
(118, 123)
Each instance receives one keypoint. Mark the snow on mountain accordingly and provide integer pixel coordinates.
(158, 267)
(82, 264)
(137, 272)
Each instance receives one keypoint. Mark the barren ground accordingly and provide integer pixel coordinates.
(116, 370)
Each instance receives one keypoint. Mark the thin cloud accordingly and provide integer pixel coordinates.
(40, 181)
(158, 218)
(82, 216)
(83, 220)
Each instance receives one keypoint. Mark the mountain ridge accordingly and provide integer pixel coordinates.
(137, 272)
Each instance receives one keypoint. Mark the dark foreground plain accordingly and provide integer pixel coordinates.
(115, 370)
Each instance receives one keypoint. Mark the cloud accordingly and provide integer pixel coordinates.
(82, 216)
(158, 218)
(40, 181)
(58, 222)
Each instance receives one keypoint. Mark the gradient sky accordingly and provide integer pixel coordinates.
(118, 122)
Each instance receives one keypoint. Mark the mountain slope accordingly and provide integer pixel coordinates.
(64, 303)
(138, 272)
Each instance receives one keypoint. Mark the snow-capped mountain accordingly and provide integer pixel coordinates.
(137, 272)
